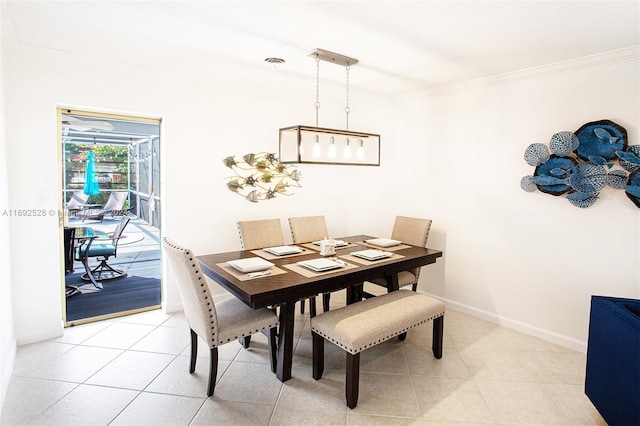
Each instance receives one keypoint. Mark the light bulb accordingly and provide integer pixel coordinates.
(332, 148)
(347, 150)
(360, 152)
(316, 147)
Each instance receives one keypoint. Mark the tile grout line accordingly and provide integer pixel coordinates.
(503, 377)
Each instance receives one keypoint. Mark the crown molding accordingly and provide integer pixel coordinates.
(627, 54)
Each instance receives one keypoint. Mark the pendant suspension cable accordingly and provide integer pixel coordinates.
(317, 104)
(347, 109)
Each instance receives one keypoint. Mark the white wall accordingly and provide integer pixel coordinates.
(204, 121)
(531, 260)
(7, 336)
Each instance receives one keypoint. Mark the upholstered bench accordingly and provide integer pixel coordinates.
(364, 324)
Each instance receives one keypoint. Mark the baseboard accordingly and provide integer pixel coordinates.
(549, 336)
(171, 308)
(50, 333)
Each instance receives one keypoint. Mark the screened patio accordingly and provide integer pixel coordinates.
(125, 159)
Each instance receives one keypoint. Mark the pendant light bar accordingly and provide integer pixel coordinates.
(295, 141)
(317, 145)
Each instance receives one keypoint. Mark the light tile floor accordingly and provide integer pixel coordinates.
(134, 371)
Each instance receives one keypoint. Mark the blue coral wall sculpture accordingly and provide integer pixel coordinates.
(580, 164)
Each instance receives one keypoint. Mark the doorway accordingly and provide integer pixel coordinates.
(110, 193)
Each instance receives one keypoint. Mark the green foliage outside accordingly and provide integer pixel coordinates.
(112, 167)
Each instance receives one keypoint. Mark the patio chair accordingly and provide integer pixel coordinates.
(216, 323)
(76, 202)
(101, 248)
(114, 206)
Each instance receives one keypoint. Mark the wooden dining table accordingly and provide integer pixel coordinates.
(288, 283)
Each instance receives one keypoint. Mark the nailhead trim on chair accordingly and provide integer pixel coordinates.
(253, 332)
(196, 303)
(382, 281)
(424, 243)
(241, 239)
(202, 284)
(204, 291)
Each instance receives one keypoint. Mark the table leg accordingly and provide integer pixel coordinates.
(285, 341)
(354, 293)
(392, 283)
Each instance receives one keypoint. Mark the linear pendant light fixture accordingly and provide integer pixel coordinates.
(318, 145)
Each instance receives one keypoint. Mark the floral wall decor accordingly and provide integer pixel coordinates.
(580, 164)
(261, 176)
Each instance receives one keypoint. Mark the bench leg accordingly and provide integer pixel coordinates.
(317, 345)
(353, 379)
(438, 327)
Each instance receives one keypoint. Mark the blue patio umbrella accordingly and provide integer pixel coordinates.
(91, 186)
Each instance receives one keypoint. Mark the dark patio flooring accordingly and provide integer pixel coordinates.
(138, 255)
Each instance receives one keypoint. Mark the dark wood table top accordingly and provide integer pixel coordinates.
(275, 289)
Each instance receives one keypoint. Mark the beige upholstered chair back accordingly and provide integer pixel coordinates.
(194, 291)
(411, 230)
(255, 234)
(309, 228)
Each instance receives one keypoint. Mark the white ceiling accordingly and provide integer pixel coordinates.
(403, 47)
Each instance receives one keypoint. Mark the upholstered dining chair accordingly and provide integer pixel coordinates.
(257, 234)
(215, 323)
(413, 231)
(307, 229)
